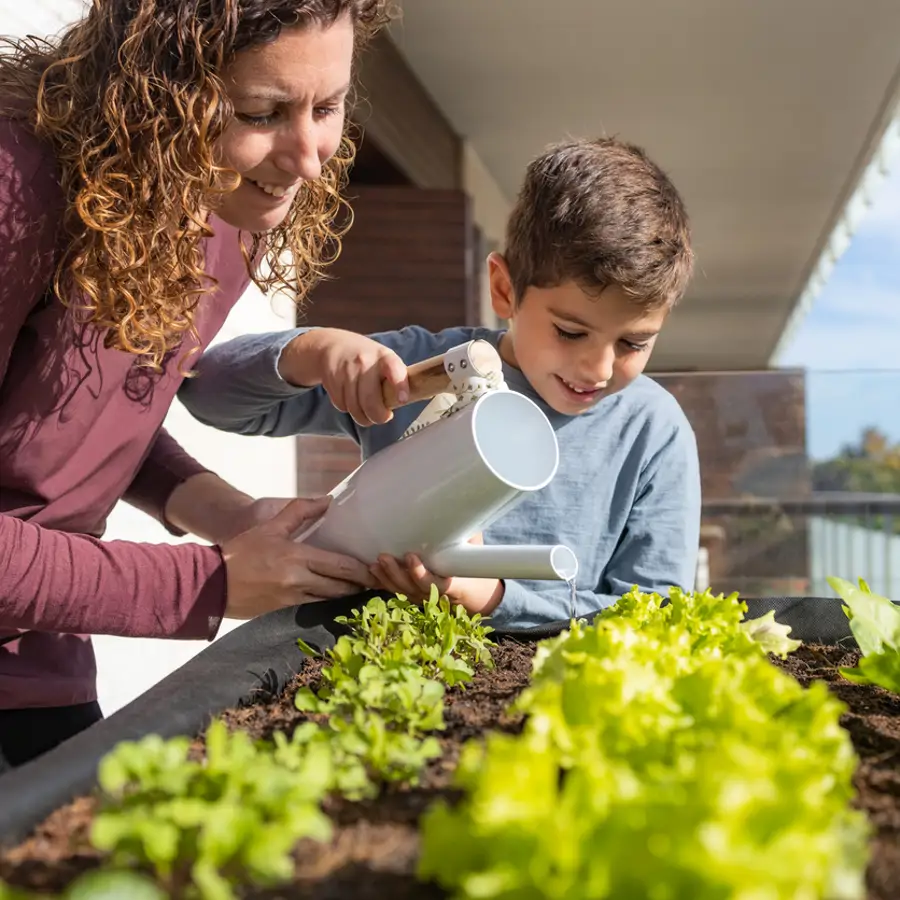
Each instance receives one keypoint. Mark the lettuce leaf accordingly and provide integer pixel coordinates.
(874, 620)
(662, 757)
(771, 636)
(875, 623)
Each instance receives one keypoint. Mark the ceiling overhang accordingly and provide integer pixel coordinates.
(766, 114)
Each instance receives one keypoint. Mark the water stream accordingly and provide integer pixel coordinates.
(573, 599)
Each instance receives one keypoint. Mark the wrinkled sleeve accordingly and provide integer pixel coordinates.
(73, 584)
(166, 466)
(49, 580)
(237, 388)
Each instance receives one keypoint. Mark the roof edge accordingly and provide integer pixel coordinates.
(882, 149)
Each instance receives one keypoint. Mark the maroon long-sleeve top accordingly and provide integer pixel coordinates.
(80, 429)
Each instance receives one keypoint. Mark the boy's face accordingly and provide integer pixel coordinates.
(574, 348)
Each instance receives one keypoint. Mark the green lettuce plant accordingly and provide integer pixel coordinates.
(662, 757)
(96, 884)
(875, 623)
(383, 688)
(203, 826)
(441, 638)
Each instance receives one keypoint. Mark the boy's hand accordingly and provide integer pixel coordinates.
(352, 369)
(410, 577)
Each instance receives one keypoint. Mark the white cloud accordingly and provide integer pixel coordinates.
(861, 295)
(837, 345)
(855, 321)
(883, 216)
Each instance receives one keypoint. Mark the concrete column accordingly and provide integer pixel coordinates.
(490, 210)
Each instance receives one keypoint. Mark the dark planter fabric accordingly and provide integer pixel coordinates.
(256, 660)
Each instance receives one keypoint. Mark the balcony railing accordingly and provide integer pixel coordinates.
(766, 546)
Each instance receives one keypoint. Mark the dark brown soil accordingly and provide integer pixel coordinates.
(375, 845)
(873, 721)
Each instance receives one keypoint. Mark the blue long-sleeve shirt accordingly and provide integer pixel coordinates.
(625, 499)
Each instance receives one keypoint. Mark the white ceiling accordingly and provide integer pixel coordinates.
(764, 112)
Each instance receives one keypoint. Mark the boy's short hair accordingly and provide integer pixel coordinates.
(600, 213)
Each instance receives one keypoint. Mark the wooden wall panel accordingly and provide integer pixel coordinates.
(409, 259)
(399, 115)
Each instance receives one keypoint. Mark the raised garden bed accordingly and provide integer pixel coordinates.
(873, 722)
(375, 844)
(373, 852)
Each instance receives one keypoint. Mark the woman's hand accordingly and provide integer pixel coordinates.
(268, 569)
(352, 369)
(256, 513)
(210, 508)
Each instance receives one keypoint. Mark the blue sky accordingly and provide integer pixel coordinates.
(850, 339)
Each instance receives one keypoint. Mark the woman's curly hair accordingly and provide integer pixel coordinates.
(131, 100)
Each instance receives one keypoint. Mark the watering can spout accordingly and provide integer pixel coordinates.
(553, 562)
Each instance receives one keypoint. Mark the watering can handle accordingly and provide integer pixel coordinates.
(429, 377)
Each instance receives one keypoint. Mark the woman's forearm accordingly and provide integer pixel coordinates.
(207, 506)
(73, 584)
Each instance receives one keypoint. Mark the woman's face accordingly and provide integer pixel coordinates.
(289, 98)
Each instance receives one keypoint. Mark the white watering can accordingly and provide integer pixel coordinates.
(471, 455)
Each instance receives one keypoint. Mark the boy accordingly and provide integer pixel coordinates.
(597, 253)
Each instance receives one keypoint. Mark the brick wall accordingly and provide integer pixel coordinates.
(409, 259)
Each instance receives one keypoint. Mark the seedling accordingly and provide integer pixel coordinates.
(203, 826)
(383, 691)
(96, 884)
(443, 639)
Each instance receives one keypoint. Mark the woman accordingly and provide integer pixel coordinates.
(152, 161)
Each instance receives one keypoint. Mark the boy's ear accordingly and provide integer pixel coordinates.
(503, 298)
